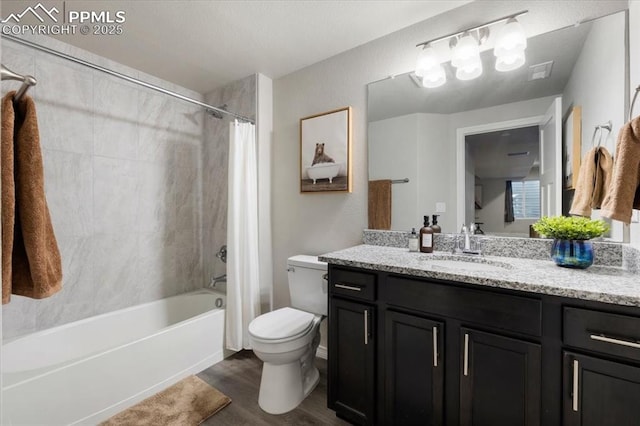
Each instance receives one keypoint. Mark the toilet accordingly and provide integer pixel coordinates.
(286, 339)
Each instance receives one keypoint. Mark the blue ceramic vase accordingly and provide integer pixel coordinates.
(572, 253)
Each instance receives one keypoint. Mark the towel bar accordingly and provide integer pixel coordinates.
(27, 81)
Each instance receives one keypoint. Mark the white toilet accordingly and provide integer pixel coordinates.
(286, 339)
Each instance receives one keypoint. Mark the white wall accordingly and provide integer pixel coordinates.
(411, 147)
(389, 140)
(601, 68)
(434, 178)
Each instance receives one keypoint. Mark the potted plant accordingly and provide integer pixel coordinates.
(571, 246)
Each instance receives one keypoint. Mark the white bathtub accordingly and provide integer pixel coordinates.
(86, 371)
(323, 171)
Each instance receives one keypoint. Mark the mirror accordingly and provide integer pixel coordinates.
(458, 144)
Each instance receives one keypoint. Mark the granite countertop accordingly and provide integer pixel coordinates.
(608, 284)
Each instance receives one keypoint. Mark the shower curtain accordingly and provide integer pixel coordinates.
(243, 265)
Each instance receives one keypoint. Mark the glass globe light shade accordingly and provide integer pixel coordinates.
(470, 70)
(510, 62)
(427, 59)
(465, 52)
(510, 38)
(434, 77)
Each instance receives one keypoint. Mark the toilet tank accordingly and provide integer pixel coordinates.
(307, 285)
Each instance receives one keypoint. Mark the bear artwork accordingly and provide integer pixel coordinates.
(320, 156)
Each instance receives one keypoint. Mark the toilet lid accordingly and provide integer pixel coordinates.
(280, 324)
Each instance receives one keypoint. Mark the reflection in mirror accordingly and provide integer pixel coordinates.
(467, 137)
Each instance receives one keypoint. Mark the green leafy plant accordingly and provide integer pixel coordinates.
(570, 228)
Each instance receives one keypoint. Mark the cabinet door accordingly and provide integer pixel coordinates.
(499, 380)
(351, 360)
(599, 392)
(414, 370)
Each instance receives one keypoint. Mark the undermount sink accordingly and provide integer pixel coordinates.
(466, 263)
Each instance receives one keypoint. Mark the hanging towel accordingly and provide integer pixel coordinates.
(8, 193)
(380, 204)
(593, 183)
(36, 269)
(623, 194)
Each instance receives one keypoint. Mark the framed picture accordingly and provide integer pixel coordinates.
(325, 151)
(572, 147)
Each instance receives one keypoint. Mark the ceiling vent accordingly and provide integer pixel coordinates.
(540, 71)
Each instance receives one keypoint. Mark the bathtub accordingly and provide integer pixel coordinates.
(89, 370)
(323, 171)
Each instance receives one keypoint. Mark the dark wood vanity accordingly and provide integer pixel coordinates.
(407, 350)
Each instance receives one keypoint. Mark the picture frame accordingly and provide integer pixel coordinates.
(325, 152)
(572, 147)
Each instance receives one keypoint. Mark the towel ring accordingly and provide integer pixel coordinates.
(608, 126)
(633, 102)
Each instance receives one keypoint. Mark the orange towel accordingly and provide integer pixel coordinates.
(36, 267)
(624, 192)
(380, 204)
(593, 182)
(8, 193)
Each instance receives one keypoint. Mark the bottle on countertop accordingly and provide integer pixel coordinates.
(414, 243)
(436, 228)
(426, 237)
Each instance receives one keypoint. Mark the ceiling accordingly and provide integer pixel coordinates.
(401, 95)
(202, 45)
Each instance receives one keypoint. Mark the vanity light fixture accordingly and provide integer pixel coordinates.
(510, 43)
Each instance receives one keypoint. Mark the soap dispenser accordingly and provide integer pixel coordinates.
(436, 228)
(426, 237)
(414, 243)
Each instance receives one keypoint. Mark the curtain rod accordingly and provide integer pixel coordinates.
(208, 107)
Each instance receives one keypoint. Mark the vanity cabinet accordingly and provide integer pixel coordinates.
(352, 345)
(407, 350)
(602, 387)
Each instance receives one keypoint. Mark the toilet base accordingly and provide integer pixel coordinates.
(282, 388)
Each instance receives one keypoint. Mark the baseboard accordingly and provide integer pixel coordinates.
(321, 352)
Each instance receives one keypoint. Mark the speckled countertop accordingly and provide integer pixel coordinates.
(608, 284)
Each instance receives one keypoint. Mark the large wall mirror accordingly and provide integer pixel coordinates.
(457, 149)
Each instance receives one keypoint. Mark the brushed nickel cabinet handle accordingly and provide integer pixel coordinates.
(366, 326)
(615, 341)
(435, 346)
(575, 384)
(347, 287)
(465, 368)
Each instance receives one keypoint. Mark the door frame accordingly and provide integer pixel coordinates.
(461, 134)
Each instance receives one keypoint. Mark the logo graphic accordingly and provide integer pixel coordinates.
(34, 11)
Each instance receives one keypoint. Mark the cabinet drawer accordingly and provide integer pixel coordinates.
(485, 307)
(361, 285)
(602, 332)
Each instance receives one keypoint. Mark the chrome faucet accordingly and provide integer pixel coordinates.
(467, 244)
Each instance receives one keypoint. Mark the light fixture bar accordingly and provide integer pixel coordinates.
(477, 27)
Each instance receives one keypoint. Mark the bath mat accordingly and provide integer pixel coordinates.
(187, 403)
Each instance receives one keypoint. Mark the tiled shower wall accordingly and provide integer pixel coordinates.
(240, 97)
(122, 178)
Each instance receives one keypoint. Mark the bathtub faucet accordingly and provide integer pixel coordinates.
(219, 279)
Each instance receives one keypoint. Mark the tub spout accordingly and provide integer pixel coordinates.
(219, 279)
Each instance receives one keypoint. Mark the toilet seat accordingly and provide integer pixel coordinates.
(281, 325)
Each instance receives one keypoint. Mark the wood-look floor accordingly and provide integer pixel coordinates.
(239, 378)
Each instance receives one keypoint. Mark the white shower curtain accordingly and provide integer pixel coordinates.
(243, 266)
